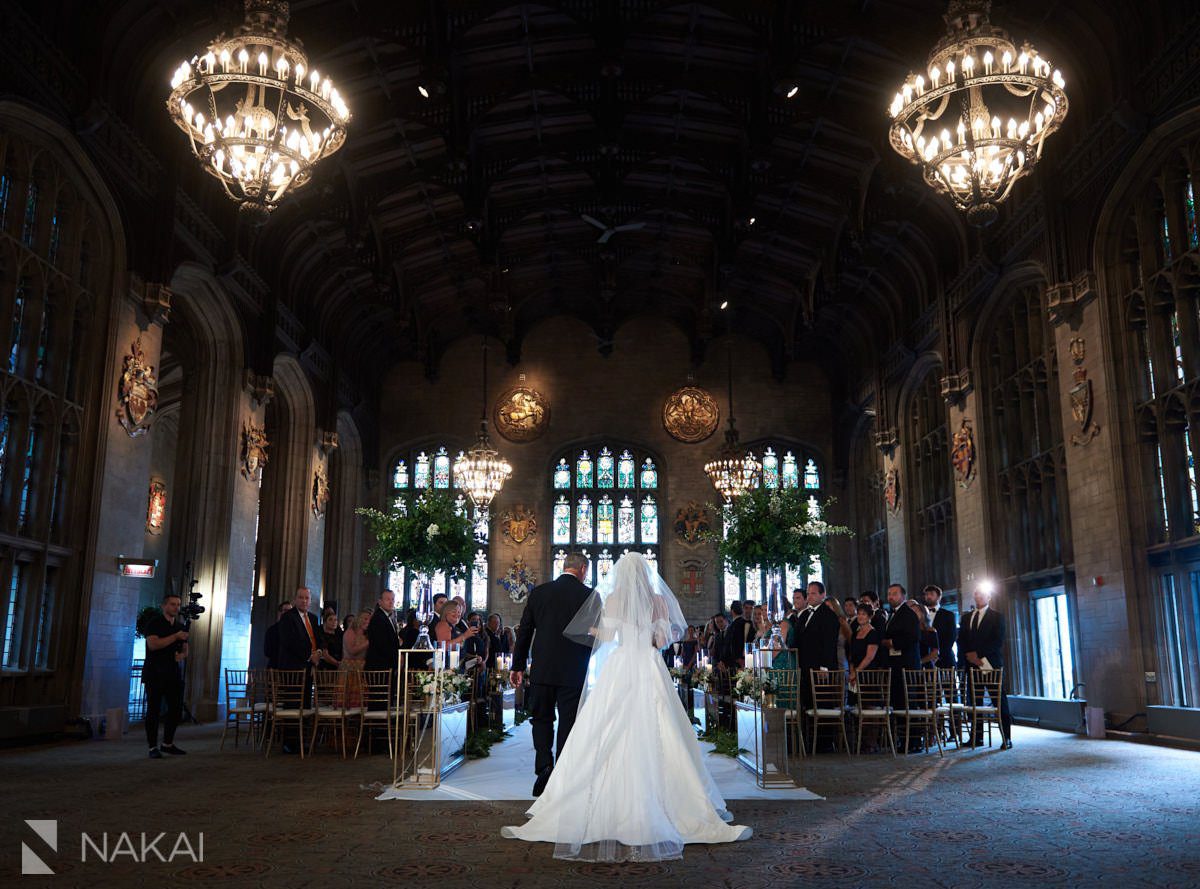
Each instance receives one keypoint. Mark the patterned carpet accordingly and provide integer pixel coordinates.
(1055, 811)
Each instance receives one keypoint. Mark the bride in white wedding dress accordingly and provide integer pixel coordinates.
(631, 784)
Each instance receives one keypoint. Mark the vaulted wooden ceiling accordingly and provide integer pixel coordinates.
(466, 210)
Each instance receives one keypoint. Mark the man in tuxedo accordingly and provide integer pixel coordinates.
(382, 641)
(943, 625)
(437, 612)
(739, 632)
(901, 648)
(984, 648)
(298, 648)
(817, 629)
(559, 665)
(271, 637)
(799, 603)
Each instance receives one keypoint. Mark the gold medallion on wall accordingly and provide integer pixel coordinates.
(522, 414)
(690, 414)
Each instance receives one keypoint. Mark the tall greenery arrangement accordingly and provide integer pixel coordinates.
(427, 535)
(771, 528)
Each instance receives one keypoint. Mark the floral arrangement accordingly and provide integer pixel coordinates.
(750, 685)
(772, 527)
(454, 686)
(702, 678)
(427, 536)
(678, 673)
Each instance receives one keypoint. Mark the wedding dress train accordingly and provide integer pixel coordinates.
(631, 784)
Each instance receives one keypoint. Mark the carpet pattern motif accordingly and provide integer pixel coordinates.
(1055, 811)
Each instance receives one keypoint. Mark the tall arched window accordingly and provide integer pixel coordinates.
(933, 548)
(1153, 275)
(871, 533)
(1028, 493)
(426, 469)
(784, 466)
(606, 500)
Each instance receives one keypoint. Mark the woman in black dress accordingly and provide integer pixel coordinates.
(864, 642)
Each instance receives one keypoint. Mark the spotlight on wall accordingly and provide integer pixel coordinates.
(986, 586)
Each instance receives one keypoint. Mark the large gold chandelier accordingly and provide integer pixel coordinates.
(258, 117)
(735, 469)
(976, 120)
(482, 471)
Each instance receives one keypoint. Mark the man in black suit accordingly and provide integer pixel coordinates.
(739, 632)
(799, 603)
(943, 625)
(901, 649)
(299, 648)
(984, 648)
(436, 615)
(817, 629)
(559, 664)
(382, 641)
(271, 637)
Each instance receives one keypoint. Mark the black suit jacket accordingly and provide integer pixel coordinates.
(904, 630)
(879, 620)
(382, 642)
(737, 634)
(294, 645)
(986, 640)
(817, 639)
(548, 610)
(271, 646)
(947, 632)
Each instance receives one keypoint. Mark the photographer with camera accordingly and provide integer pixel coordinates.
(166, 648)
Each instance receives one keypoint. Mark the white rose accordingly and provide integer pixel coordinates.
(432, 531)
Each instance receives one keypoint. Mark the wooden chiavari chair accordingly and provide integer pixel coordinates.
(378, 707)
(948, 703)
(828, 704)
(289, 705)
(872, 708)
(919, 697)
(332, 706)
(239, 705)
(983, 702)
(786, 681)
(259, 693)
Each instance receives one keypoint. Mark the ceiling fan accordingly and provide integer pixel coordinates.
(609, 231)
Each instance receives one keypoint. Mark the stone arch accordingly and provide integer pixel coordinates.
(343, 576)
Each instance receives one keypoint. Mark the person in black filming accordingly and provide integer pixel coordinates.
(166, 648)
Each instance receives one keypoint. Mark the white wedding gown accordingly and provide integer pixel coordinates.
(631, 784)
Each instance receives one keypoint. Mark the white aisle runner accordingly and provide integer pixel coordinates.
(508, 775)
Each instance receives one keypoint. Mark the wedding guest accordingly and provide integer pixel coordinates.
(271, 637)
(384, 644)
(497, 639)
(901, 646)
(330, 642)
(688, 649)
(447, 628)
(355, 642)
(411, 631)
(735, 638)
(436, 615)
(878, 616)
(477, 645)
(864, 644)
(299, 650)
(799, 603)
(928, 645)
(943, 625)
(462, 613)
(762, 623)
(986, 641)
(846, 630)
(815, 630)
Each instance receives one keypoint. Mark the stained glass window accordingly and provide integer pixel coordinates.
(652, 557)
(1147, 360)
(562, 521)
(649, 521)
(421, 479)
(1189, 212)
(436, 472)
(39, 372)
(605, 475)
(26, 482)
(5, 183)
(796, 467)
(1166, 238)
(604, 563)
(605, 520)
(560, 562)
(790, 476)
(812, 478)
(583, 520)
(5, 429)
(625, 470)
(770, 468)
(814, 508)
(441, 469)
(588, 518)
(29, 227)
(1178, 345)
(55, 235)
(14, 349)
(1191, 471)
(626, 532)
(1162, 494)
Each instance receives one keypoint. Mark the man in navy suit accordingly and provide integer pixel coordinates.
(984, 647)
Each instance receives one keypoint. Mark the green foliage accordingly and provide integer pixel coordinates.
(478, 744)
(144, 617)
(426, 535)
(519, 716)
(724, 742)
(771, 527)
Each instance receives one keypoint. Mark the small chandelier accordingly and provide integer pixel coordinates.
(735, 470)
(481, 472)
(976, 120)
(257, 116)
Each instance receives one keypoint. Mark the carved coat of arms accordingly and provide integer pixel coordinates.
(691, 522)
(518, 524)
(320, 491)
(156, 511)
(962, 454)
(137, 393)
(518, 581)
(891, 490)
(690, 414)
(1081, 395)
(254, 451)
(522, 414)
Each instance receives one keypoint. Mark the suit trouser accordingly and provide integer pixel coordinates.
(543, 701)
(155, 693)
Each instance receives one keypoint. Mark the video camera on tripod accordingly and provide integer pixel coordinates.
(192, 609)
